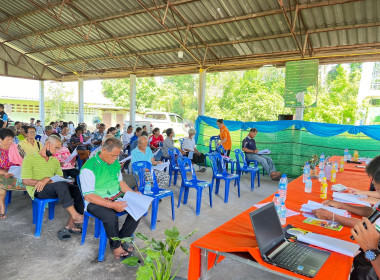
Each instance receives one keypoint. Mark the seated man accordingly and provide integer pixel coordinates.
(127, 135)
(98, 136)
(102, 184)
(136, 136)
(48, 132)
(189, 147)
(98, 149)
(37, 168)
(169, 143)
(134, 144)
(250, 149)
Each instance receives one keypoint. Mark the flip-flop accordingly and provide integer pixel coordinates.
(79, 225)
(79, 232)
(64, 235)
(127, 246)
(3, 216)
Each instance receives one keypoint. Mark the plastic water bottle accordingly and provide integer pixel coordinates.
(323, 194)
(333, 174)
(321, 175)
(341, 167)
(276, 201)
(148, 188)
(306, 172)
(283, 214)
(322, 161)
(346, 155)
(283, 186)
(308, 185)
(356, 156)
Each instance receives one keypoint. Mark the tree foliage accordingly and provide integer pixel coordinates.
(57, 102)
(253, 95)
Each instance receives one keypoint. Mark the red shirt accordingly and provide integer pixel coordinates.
(155, 141)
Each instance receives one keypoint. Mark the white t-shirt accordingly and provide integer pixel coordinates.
(188, 144)
(127, 138)
(43, 139)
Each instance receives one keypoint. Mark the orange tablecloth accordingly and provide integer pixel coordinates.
(350, 166)
(237, 234)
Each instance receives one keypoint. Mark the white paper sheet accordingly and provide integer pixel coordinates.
(138, 204)
(156, 152)
(259, 205)
(264, 152)
(87, 142)
(57, 178)
(124, 160)
(312, 205)
(70, 158)
(350, 198)
(16, 171)
(190, 155)
(161, 166)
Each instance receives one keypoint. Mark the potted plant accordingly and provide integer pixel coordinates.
(157, 256)
(313, 164)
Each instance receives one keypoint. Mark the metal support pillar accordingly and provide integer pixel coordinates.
(42, 102)
(80, 101)
(132, 100)
(202, 92)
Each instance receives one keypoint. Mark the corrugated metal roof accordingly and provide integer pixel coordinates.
(110, 34)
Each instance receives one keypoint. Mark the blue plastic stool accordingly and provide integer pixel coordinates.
(99, 232)
(8, 199)
(38, 212)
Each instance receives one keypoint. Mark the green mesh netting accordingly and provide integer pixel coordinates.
(291, 148)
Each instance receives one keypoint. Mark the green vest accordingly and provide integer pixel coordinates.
(106, 176)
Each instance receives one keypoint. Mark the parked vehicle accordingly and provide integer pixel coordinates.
(163, 121)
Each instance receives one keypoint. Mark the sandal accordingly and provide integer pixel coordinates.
(71, 230)
(128, 247)
(64, 235)
(3, 216)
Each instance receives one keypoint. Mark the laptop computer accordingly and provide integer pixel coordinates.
(279, 251)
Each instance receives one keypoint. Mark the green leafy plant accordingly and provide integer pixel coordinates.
(314, 162)
(157, 256)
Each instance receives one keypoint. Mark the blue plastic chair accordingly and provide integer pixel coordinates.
(139, 168)
(181, 140)
(99, 230)
(173, 167)
(220, 173)
(221, 150)
(8, 199)
(185, 166)
(38, 212)
(246, 168)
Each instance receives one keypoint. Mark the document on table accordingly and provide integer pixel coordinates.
(312, 205)
(57, 178)
(16, 171)
(350, 198)
(156, 152)
(330, 243)
(161, 166)
(70, 158)
(138, 204)
(264, 152)
(124, 160)
(289, 212)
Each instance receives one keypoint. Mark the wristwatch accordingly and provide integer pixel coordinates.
(371, 255)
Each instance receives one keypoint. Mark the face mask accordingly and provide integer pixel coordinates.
(48, 153)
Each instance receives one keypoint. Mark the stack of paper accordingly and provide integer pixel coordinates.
(312, 205)
(138, 204)
(264, 152)
(16, 171)
(57, 178)
(350, 198)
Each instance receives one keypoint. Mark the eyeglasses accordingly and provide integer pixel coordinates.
(32, 132)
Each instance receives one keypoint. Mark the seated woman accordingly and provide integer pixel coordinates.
(7, 181)
(112, 130)
(22, 135)
(169, 143)
(76, 142)
(29, 145)
(143, 153)
(154, 142)
(65, 135)
(189, 147)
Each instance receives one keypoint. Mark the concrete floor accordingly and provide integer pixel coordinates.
(24, 257)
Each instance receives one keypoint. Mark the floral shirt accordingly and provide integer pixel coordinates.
(5, 164)
(98, 137)
(62, 154)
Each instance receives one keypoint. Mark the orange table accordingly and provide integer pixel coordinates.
(237, 234)
(350, 166)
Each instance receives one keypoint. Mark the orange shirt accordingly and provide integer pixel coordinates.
(225, 134)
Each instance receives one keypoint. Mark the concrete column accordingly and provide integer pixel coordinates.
(42, 102)
(80, 101)
(202, 92)
(299, 113)
(132, 100)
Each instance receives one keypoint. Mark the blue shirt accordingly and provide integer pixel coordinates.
(249, 143)
(133, 138)
(133, 145)
(138, 155)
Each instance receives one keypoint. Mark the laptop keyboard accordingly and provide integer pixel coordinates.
(292, 255)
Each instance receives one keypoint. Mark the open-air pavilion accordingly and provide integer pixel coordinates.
(77, 40)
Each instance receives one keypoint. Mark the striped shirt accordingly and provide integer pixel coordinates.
(36, 167)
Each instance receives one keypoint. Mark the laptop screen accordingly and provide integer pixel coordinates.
(267, 227)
